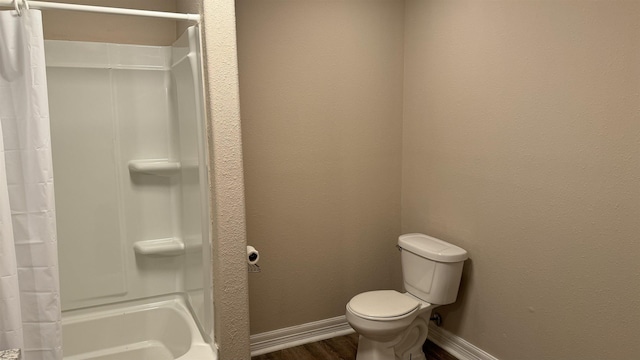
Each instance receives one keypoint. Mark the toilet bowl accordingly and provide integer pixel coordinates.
(381, 315)
(391, 325)
(394, 325)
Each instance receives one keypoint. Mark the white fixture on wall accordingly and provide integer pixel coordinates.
(158, 167)
(131, 186)
(159, 247)
(252, 259)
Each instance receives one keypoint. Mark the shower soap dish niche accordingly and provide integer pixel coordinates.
(160, 247)
(158, 167)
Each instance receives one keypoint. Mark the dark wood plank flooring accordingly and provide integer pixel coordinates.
(340, 348)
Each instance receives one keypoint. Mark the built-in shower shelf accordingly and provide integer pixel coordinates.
(159, 167)
(160, 247)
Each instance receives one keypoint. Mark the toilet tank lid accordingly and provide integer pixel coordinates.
(432, 248)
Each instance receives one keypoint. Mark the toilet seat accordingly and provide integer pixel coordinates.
(382, 305)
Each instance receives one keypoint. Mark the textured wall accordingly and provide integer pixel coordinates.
(321, 100)
(522, 145)
(231, 301)
(84, 26)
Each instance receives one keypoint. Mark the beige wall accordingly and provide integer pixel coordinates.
(321, 103)
(186, 7)
(83, 26)
(522, 144)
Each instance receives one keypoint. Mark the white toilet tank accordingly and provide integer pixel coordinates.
(431, 268)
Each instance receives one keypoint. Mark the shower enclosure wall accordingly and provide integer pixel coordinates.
(131, 199)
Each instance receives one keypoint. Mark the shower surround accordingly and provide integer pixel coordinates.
(131, 191)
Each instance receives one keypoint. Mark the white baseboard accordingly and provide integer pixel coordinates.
(457, 346)
(325, 329)
(298, 335)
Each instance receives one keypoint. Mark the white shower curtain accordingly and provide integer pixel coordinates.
(29, 285)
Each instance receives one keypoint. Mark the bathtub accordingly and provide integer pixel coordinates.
(152, 329)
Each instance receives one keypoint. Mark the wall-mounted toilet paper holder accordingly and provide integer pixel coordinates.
(252, 258)
(253, 268)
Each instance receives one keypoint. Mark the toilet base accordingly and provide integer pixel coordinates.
(410, 347)
(407, 346)
(375, 350)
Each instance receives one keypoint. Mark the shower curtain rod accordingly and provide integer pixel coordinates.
(23, 4)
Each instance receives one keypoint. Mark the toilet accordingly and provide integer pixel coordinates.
(394, 325)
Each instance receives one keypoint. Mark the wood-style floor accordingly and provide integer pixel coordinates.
(340, 348)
